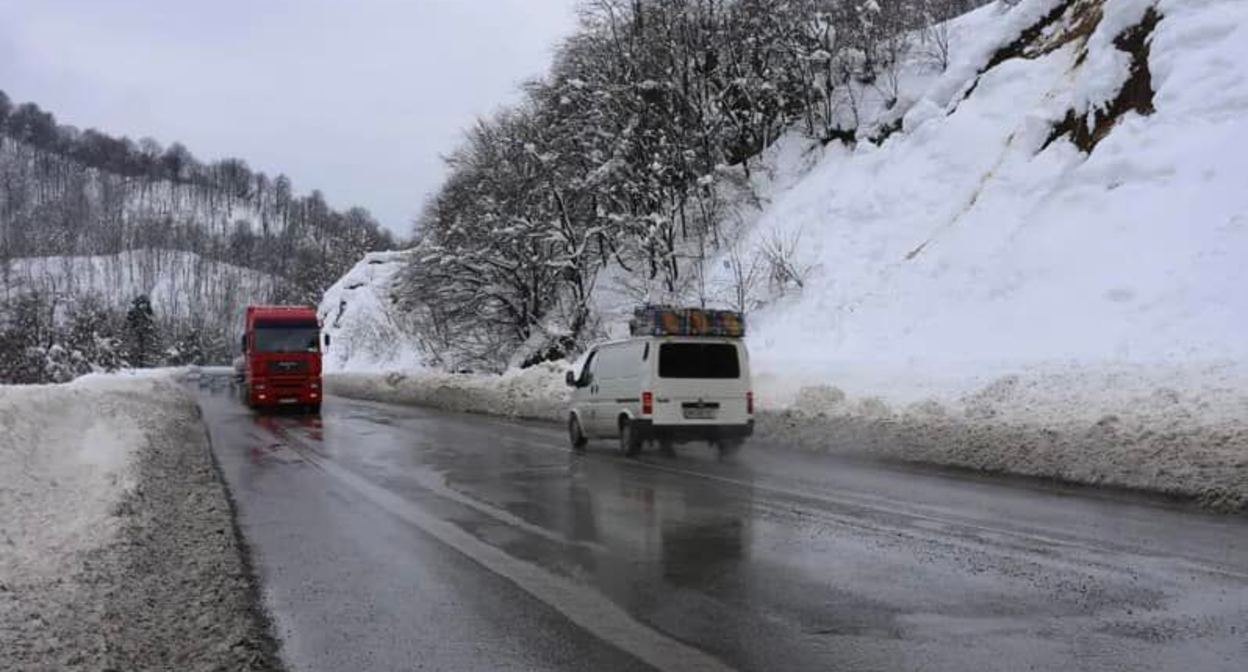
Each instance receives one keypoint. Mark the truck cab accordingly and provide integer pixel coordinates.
(282, 358)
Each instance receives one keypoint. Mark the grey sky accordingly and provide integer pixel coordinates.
(357, 99)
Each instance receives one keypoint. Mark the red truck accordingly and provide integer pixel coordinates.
(282, 357)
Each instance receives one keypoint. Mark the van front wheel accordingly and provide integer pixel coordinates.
(630, 440)
(575, 434)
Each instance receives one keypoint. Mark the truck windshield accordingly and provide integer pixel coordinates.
(717, 361)
(287, 339)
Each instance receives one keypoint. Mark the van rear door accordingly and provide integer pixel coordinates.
(702, 381)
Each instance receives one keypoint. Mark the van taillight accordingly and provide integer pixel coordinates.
(647, 403)
(749, 403)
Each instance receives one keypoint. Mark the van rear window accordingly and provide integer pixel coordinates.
(716, 361)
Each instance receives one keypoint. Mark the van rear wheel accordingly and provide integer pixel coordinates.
(729, 447)
(575, 434)
(630, 440)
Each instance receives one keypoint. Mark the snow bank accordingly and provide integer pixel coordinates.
(1108, 426)
(118, 549)
(367, 332)
(66, 463)
(1180, 431)
(538, 393)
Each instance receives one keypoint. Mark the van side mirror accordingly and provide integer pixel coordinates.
(244, 344)
(326, 340)
(570, 378)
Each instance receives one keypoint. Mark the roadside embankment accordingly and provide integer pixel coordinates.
(1182, 433)
(118, 549)
(534, 394)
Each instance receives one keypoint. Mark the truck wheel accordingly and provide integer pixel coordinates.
(314, 409)
(630, 440)
(575, 435)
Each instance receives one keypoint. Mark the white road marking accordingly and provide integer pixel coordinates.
(862, 501)
(584, 606)
(437, 485)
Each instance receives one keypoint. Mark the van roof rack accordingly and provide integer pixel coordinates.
(676, 321)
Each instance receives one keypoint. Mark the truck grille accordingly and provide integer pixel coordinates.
(289, 367)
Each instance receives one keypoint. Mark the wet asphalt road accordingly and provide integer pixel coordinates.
(393, 538)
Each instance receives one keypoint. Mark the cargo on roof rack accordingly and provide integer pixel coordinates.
(671, 321)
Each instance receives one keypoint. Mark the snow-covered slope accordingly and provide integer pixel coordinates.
(367, 332)
(1041, 270)
(973, 243)
(181, 285)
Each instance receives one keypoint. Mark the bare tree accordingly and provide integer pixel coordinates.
(785, 270)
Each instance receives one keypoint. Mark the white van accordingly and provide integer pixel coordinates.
(665, 389)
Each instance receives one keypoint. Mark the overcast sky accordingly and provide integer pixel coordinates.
(356, 98)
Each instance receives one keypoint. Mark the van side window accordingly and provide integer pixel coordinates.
(587, 369)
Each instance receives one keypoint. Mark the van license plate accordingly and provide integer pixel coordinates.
(699, 414)
(288, 401)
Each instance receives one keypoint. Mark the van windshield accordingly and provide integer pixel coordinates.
(717, 361)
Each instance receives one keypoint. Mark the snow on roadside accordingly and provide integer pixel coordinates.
(117, 541)
(67, 461)
(1109, 426)
(537, 393)
(1175, 430)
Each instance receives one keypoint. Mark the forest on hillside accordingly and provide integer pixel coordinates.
(94, 227)
(619, 159)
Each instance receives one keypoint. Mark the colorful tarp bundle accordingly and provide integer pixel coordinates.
(669, 321)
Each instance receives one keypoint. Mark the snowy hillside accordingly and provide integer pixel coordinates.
(367, 332)
(62, 317)
(979, 240)
(984, 236)
(181, 285)
(93, 226)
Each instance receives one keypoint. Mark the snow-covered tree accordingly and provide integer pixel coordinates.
(142, 334)
(615, 159)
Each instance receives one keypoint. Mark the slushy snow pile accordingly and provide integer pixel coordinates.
(995, 287)
(537, 393)
(67, 461)
(117, 542)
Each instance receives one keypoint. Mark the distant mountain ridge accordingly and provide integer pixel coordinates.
(168, 222)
